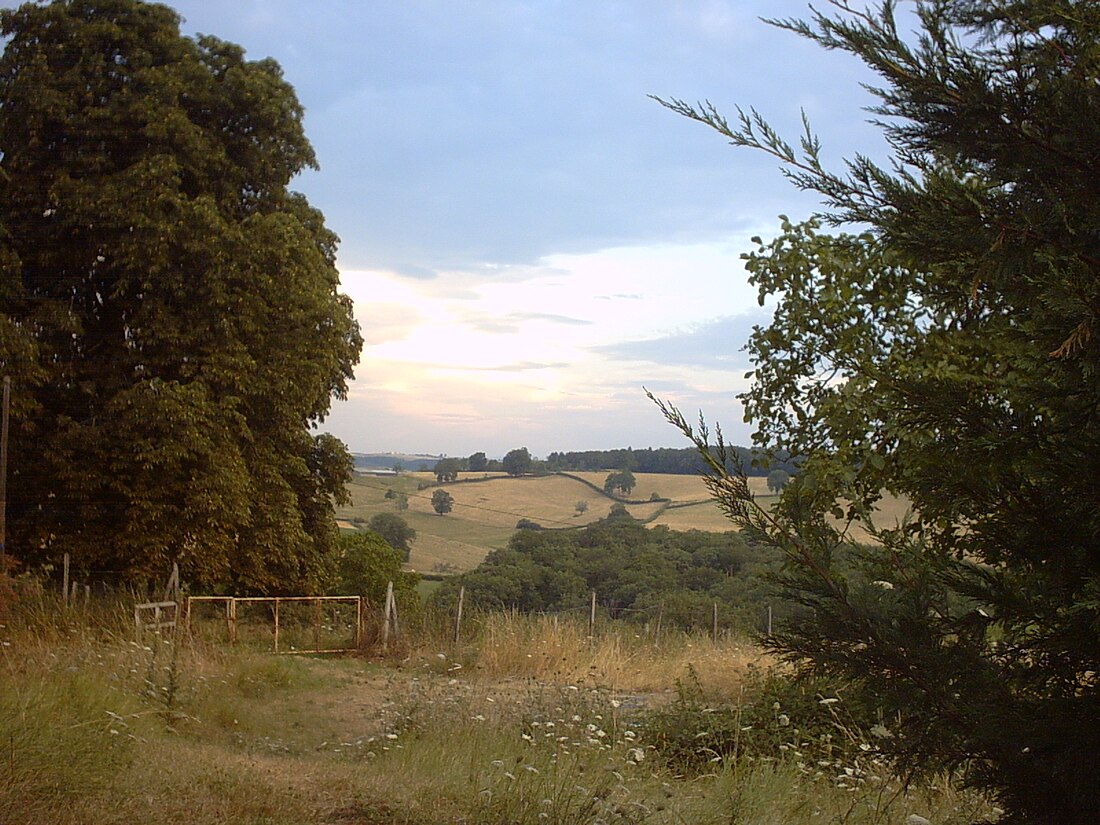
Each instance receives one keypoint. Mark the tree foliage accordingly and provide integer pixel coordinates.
(777, 480)
(678, 461)
(394, 529)
(366, 565)
(622, 482)
(170, 310)
(637, 572)
(517, 462)
(442, 502)
(447, 469)
(947, 354)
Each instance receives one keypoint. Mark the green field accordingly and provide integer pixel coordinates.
(487, 507)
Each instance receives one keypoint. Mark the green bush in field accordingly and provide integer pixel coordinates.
(366, 566)
(805, 721)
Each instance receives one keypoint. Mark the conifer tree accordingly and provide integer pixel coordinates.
(948, 353)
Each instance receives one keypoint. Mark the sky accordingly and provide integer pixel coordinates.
(529, 239)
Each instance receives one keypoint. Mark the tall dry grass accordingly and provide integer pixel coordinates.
(526, 720)
(620, 656)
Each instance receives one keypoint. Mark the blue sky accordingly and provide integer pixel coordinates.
(528, 238)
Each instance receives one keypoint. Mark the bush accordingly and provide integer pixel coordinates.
(779, 717)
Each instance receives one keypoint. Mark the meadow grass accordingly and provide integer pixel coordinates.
(526, 720)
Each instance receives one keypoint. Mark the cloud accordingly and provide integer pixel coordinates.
(419, 273)
(522, 366)
(714, 344)
(550, 317)
(513, 322)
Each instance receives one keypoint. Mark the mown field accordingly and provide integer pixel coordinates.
(488, 506)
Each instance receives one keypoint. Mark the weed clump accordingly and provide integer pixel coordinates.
(777, 718)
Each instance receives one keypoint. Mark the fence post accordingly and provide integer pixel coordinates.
(769, 620)
(65, 580)
(231, 619)
(592, 617)
(276, 625)
(386, 616)
(358, 621)
(317, 625)
(458, 614)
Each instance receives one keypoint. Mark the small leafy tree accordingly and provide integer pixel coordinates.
(442, 502)
(622, 481)
(446, 469)
(949, 353)
(477, 463)
(395, 530)
(517, 462)
(777, 480)
(367, 564)
(581, 507)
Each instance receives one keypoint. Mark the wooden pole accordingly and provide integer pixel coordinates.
(769, 620)
(4, 478)
(592, 616)
(386, 615)
(317, 625)
(65, 580)
(393, 611)
(358, 621)
(276, 625)
(660, 618)
(231, 619)
(714, 627)
(458, 614)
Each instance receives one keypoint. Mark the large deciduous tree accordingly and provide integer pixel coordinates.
(170, 309)
(949, 353)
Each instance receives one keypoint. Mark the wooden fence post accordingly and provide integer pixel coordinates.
(65, 580)
(592, 617)
(358, 621)
(458, 614)
(714, 626)
(231, 619)
(276, 625)
(390, 609)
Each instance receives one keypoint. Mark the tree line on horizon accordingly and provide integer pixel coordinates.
(661, 460)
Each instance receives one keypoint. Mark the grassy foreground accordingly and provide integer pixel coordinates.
(530, 721)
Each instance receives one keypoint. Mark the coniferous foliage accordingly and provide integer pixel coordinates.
(949, 354)
(170, 309)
